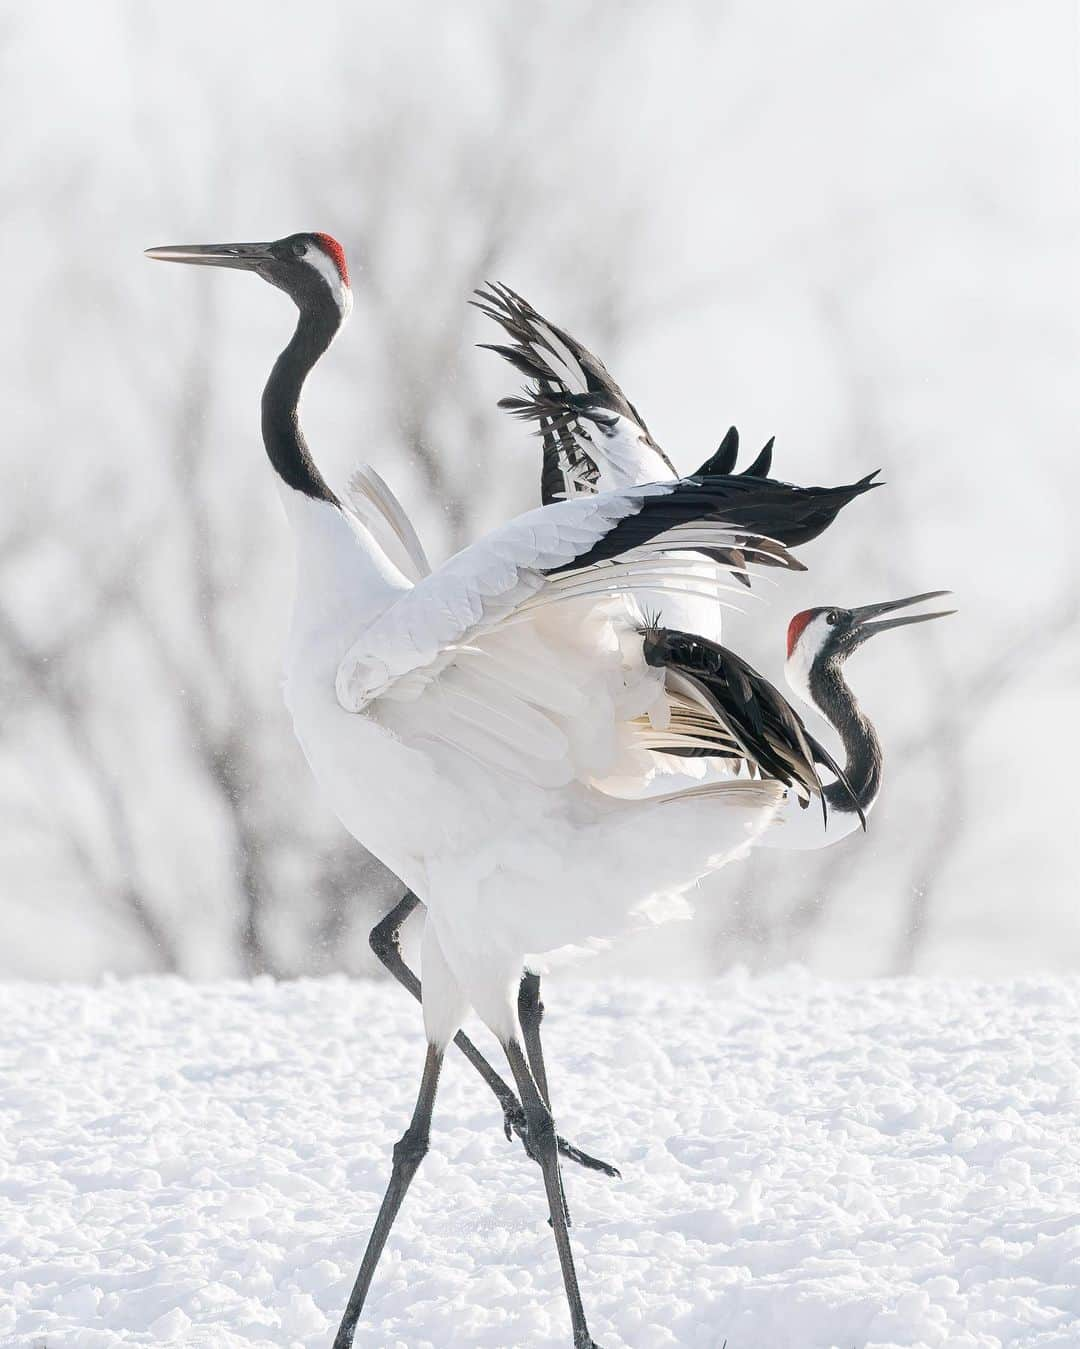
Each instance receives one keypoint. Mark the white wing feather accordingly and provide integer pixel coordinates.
(490, 581)
(477, 587)
(377, 506)
(619, 448)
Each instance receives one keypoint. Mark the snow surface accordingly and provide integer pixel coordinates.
(805, 1164)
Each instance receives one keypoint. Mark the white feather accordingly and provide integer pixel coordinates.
(368, 493)
(572, 375)
(498, 766)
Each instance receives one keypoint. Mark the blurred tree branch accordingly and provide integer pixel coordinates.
(49, 676)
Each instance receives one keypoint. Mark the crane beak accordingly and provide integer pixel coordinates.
(864, 626)
(245, 256)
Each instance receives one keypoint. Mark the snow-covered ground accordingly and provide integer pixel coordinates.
(805, 1164)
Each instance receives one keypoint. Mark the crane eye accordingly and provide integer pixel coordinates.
(832, 617)
(299, 248)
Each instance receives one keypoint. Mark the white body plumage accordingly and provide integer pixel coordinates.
(483, 762)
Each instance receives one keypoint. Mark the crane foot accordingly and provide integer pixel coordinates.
(514, 1123)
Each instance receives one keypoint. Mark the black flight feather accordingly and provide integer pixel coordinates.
(723, 461)
(769, 516)
(763, 463)
(769, 733)
(557, 409)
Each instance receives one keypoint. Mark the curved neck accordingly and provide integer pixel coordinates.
(282, 436)
(862, 749)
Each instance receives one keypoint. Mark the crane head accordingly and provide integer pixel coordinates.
(828, 636)
(311, 268)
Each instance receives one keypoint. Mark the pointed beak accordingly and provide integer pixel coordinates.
(244, 256)
(864, 625)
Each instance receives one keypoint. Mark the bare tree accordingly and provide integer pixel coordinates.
(45, 682)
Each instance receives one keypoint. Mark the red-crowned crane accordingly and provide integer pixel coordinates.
(475, 730)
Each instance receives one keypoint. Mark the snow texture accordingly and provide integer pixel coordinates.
(805, 1164)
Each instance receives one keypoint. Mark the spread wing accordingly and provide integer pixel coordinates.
(601, 545)
(594, 438)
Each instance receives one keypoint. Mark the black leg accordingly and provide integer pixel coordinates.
(542, 1143)
(409, 1152)
(385, 942)
(530, 1014)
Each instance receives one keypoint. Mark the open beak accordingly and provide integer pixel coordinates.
(244, 256)
(865, 627)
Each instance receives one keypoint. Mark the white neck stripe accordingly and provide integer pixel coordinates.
(327, 269)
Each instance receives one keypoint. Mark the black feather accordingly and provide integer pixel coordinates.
(554, 406)
(723, 461)
(769, 516)
(769, 732)
(733, 559)
(763, 463)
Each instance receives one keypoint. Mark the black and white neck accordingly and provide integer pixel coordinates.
(814, 671)
(322, 295)
(863, 758)
(343, 575)
(819, 641)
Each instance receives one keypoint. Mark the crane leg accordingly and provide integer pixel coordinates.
(409, 1151)
(530, 1015)
(385, 942)
(543, 1146)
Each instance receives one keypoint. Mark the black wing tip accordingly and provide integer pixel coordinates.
(490, 300)
(843, 496)
(821, 506)
(851, 490)
(723, 459)
(762, 465)
(848, 490)
(489, 291)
